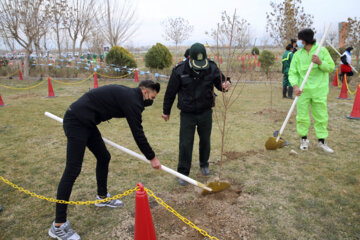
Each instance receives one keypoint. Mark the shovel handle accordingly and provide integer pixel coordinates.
(302, 84)
(340, 55)
(141, 157)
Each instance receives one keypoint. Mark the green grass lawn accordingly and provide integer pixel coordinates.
(311, 195)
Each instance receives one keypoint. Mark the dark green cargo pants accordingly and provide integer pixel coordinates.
(188, 123)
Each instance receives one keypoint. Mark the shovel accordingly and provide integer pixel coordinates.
(274, 143)
(211, 188)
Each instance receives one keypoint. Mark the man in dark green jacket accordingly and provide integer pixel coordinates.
(194, 80)
(286, 60)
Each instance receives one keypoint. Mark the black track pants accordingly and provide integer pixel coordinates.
(78, 138)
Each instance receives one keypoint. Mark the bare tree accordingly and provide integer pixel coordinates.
(95, 42)
(177, 30)
(230, 32)
(117, 21)
(74, 21)
(58, 14)
(8, 42)
(88, 23)
(42, 29)
(21, 20)
(354, 36)
(286, 19)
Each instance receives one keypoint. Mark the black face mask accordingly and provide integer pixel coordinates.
(148, 102)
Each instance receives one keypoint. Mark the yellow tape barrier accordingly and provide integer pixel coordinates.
(185, 220)
(126, 193)
(105, 76)
(347, 86)
(68, 83)
(34, 86)
(351, 93)
(118, 196)
(10, 75)
(19, 88)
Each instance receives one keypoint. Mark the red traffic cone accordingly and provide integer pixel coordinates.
(2, 102)
(96, 85)
(50, 89)
(144, 226)
(20, 75)
(136, 76)
(355, 114)
(343, 94)
(335, 82)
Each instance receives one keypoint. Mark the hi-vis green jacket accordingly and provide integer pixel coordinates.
(317, 84)
(286, 60)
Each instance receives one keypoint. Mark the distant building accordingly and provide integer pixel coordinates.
(343, 30)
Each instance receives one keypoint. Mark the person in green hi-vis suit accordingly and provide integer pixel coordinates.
(315, 91)
(286, 60)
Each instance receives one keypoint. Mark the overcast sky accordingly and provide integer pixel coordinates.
(205, 14)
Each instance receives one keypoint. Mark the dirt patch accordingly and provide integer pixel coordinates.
(233, 155)
(273, 114)
(220, 215)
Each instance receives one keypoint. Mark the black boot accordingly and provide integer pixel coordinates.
(290, 93)
(284, 91)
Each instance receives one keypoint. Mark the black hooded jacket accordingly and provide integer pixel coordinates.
(114, 101)
(195, 91)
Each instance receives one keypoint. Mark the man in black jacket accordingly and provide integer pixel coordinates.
(80, 120)
(194, 80)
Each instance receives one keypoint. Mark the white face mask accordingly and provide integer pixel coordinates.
(299, 44)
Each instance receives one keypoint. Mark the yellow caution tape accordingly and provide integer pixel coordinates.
(10, 75)
(347, 86)
(19, 88)
(68, 83)
(185, 220)
(118, 196)
(105, 76)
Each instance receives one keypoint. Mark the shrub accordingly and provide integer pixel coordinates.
(158, 57)
(266, 59)
(255, 50)
(333, 54)
(342, 50)
(120, 57)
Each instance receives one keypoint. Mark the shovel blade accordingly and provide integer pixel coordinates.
(271, 143)
(216, 187)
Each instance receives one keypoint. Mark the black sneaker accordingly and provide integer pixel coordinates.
(205, 171)
(182, 182)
